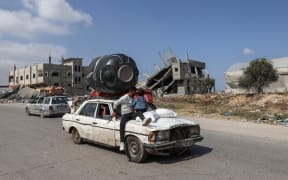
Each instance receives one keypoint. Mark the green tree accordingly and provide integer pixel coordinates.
(258, 74)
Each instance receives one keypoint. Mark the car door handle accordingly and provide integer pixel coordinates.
(77, 119)
(94, 123)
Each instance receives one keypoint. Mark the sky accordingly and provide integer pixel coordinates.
(219, 33)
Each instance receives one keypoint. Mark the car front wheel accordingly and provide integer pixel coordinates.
(76, 136)
(135, 150)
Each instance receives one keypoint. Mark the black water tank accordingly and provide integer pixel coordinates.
(113, 74)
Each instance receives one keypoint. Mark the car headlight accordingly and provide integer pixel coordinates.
(194, 130)
(155, 136)
(163, 135)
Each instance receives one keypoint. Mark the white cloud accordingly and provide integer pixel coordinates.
(22, 24)
(57, 10)
(25, 54)
(41, 16)
(247, 51)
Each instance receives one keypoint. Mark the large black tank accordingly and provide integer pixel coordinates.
(113, 74)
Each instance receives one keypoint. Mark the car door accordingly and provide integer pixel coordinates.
(46, 104)
(85, 120)
(103, 130)
(31, 106)
(37, 107)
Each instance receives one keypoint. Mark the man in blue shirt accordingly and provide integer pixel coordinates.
(140, 106)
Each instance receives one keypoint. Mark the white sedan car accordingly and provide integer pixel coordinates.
(166, 134)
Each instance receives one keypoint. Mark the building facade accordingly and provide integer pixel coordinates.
(70, 74)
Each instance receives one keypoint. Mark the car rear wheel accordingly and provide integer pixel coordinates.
(27, 111)
(135, 150)
(76, 136)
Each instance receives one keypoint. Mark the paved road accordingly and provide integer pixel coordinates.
(32, 148)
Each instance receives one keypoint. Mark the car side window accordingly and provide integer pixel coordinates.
(88, 109)
(47, 101)
(103, 111)
(58, 100)
(40, 100)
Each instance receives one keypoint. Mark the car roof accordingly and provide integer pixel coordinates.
(102, 100)
(55, 96)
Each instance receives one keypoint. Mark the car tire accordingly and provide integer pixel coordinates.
(42, 114)
(76, 136)
(135, 150)
(27, 111)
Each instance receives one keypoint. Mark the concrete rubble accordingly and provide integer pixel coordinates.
(19, 94)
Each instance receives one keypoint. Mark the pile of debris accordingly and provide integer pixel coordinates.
(263, 108)
(19, 94)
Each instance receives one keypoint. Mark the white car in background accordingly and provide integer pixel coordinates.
(48, 106)
(69, 101)
(166, 134)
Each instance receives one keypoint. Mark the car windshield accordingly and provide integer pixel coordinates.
(59, 100)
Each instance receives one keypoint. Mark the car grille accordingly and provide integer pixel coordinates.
(182, 132)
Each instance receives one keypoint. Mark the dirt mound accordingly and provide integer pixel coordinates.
(257, 100)
(266, 107)
(27, 93)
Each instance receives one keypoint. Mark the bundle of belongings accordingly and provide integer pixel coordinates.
(158, 113)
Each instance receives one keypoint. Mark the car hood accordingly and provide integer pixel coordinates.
(168, 123)
(166, 119)
(161, 124)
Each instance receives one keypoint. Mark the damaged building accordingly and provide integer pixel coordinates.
(181, 77)
(70, 74)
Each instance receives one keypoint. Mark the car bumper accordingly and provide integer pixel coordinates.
(179, 144)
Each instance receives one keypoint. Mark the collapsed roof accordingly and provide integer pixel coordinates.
(177, 76)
